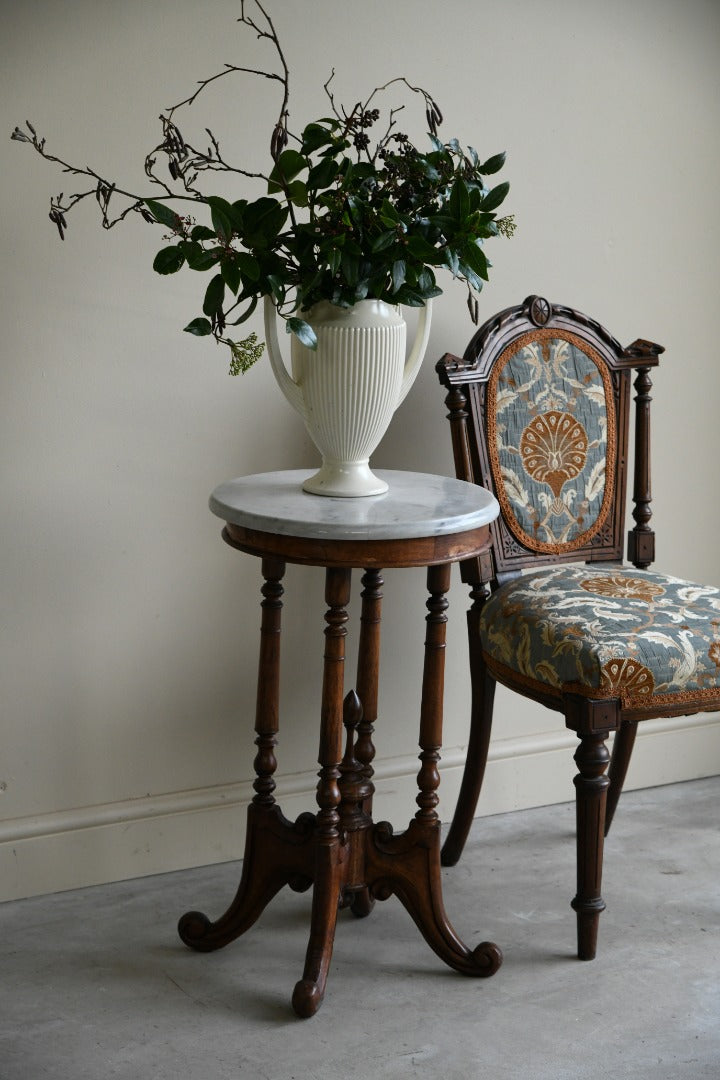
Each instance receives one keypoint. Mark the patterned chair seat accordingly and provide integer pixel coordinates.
(630, 634)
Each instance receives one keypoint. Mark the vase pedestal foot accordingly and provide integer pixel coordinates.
(345, 479)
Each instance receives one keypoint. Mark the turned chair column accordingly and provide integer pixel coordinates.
(641, 538)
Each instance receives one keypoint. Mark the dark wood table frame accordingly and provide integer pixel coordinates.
(346, 858)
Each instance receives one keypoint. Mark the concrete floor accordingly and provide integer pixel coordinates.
(94, 984)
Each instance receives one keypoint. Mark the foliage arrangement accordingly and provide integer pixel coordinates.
(345, 214)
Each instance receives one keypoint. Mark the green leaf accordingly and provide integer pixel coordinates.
(303, 331)
(399, 271)
(420, 249)
(222, 223)
(459, 201)
(388, 214)
(470, 276)
(409, 297)
(216, 202)
(350, 263)
(322, 174)
(383, 240)
(287, 167)
(361, 290)
(247, 313)
(214, 295)
(334, 259)
(263, 220)
(201, 258)
(249, 266)
(452, 261)
(168, 260)
(429, 170)
(199, 327)
(493, 164)
(475, 258)
(359, 171)
(493, 199)
(298, 193)
(237, 215)
(162, 213)
(230, 274)
(201, 232)
(314, 136)
(277, 286)
(426, 284)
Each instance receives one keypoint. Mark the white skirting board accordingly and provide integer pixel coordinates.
(99, 844)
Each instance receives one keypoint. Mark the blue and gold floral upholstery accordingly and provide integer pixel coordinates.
(552, 440)
(635, 635)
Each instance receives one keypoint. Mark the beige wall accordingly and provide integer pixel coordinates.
(129, 630)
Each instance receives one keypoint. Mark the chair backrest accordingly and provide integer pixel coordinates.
(539, 412)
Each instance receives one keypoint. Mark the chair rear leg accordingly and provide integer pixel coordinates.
(619, 762)
(483, 696)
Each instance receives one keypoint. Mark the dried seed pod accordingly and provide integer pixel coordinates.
(279, 140)
(58, 220)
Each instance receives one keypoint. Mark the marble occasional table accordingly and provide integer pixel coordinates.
(348, 860)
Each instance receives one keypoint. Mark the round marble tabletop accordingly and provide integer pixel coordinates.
(415, 505)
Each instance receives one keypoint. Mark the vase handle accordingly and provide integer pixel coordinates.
(417, 353)
(287, 384)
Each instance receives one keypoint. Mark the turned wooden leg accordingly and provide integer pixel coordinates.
(481, 713)
(368, 669)
(433, 690)
(591, 786)
(277, 852)
(367, 674)
(355, 791)
(329, 852)
(619, 762)
(408, 865)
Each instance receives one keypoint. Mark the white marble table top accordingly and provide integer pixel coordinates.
(416, 504)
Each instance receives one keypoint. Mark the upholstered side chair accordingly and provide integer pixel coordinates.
(539, 411)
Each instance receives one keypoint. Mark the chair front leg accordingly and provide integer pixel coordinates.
(591, 786)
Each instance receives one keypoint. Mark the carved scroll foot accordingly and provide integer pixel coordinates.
(310, 990)
(362, 903)
(307, 998)
(408, 865)
(277, 853)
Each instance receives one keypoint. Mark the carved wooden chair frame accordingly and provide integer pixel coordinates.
(597, 787)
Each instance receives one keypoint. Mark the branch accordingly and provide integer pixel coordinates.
(103, 189)
(279, 138)
(432, 113)
(184, 161)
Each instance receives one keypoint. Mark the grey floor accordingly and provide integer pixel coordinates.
(95, 985)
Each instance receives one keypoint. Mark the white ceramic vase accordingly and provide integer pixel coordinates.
(347, 389)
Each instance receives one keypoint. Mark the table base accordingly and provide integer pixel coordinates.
(346, 858)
